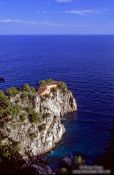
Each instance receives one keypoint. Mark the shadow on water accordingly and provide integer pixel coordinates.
(107, 159)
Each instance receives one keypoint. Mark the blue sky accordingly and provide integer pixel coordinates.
(56, 16)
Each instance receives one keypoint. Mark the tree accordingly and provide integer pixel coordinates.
(12, 91)
(62, 85)
(26, 87)
(33, 116)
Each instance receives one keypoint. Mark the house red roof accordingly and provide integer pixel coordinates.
(41, 89)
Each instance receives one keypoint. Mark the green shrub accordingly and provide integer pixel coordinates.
(42, 82)
(4, 101)
(42, 127)
(33, 116)
(14, 110)
(79, 160)
(5, 151)
(24, 95)
(7, 108)
(49, 81)
(30, 96)
(15, 147)
(46, 115)
(8, 151)
(29, 110)
(22, 117)
(12, 91)
(27, 92)
(45, 82)
(26, 87)
(4, 105)
(33, 90)
(62, 85)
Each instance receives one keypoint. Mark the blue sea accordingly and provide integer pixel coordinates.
(86, 64)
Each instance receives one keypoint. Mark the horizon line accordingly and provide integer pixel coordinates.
(51, 34)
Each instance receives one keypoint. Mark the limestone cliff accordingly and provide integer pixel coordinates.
(37, 127)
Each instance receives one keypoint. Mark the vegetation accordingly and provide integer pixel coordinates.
(9, 151)
(45, 82)
(42, 82)
(24, 95)
(33, 90)
(68, 165)
(46, 115)
(33, 116)
(6, 107)
(79, 160)
(42, 127)
(27, 92)
(16, 147)
(14, 109)
(26, 87)
(12, 91)
(22, 116)
(49, 81)
(62, 85)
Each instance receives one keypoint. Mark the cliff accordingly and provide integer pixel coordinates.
(32, 125)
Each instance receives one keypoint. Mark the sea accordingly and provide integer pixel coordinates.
(86, 64)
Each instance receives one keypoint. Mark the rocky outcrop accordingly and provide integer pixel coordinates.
(37, 127)
(58, 104)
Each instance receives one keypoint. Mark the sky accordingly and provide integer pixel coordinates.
(56, 17)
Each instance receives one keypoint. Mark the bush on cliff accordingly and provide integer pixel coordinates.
(14, 110)
(32, 135)
(12, 91)
(33, 116)
(42, 127)
(42, 82)
(46, 115)
(62, 85)
(6, 107)
(45, 82)
(26, 87)
(27, 91)
(22, 117)
(24, 95)
(9, 151)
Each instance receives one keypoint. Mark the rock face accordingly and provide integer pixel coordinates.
(38, 137)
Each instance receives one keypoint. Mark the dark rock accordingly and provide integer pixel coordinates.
(2, 80)
(67, 161)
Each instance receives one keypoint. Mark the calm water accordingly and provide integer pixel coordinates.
(86, 64)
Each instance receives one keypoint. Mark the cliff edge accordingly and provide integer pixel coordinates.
(30, 118)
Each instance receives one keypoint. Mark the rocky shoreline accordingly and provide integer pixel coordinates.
(31, 123)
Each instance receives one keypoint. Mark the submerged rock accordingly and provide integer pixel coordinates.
(2, 80)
